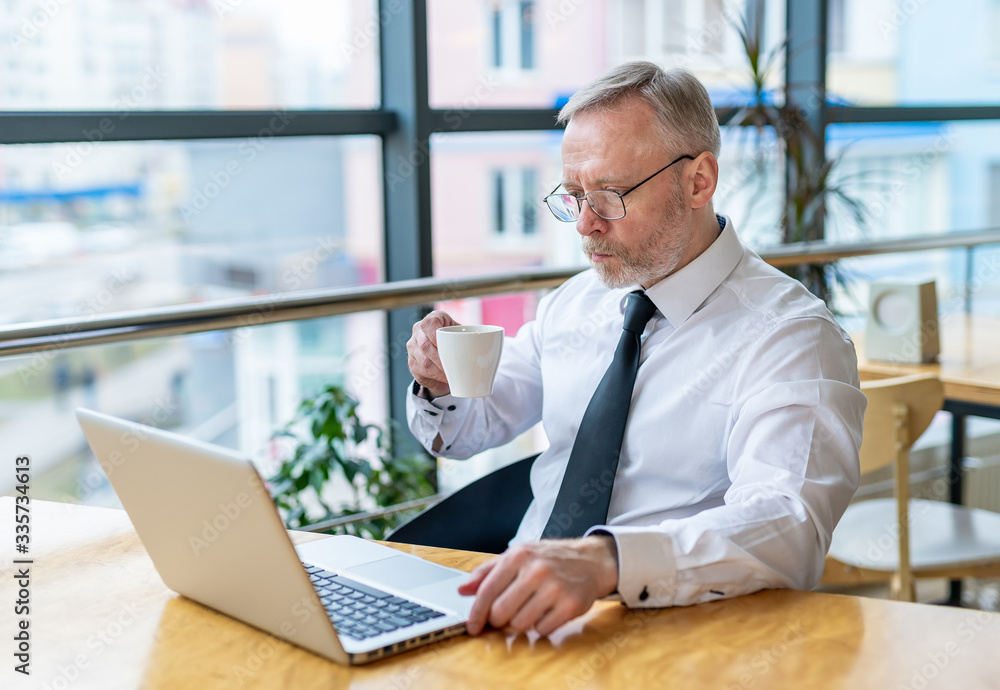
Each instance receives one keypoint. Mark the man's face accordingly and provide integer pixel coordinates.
(614, 151)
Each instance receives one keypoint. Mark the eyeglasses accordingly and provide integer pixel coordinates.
(605, 203)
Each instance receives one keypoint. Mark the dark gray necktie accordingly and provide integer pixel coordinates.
(585, 493)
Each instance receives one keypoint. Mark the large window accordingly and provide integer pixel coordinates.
(199, 204)
(506, 53)
(487, 210)
(918, 178)
(173, 222)
(218, 54)
(97, 226)
(885, 52)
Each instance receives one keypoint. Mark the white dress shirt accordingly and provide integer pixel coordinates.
(741, 448)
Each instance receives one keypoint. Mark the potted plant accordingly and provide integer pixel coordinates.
(330, 443)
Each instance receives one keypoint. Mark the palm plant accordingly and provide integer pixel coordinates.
(813, 193)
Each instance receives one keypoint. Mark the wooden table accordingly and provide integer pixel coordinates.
(102, 618)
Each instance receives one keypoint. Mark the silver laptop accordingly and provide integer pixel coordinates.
(206, 518)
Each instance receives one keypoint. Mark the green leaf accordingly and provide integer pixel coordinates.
(331, 440)
(317, 477)
(361, 432)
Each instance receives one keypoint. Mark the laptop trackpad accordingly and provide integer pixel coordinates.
(402, 572)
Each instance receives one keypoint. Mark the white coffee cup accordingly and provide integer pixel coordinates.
(470, 356)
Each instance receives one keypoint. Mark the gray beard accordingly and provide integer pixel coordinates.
(628, 273)
(657, 257)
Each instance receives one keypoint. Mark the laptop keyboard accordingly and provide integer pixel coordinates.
(360, 611)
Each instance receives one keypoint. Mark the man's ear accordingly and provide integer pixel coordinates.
(704, 176)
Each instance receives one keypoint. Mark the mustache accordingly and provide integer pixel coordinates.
(600, 246)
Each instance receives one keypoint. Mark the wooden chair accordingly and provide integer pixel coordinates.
(898, 539)
(481, 516)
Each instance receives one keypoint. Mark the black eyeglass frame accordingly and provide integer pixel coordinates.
(580, 199)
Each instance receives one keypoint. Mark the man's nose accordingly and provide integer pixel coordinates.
(589, 222)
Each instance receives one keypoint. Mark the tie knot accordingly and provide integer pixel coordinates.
(638, 310)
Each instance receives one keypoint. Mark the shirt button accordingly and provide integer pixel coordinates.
(451, 408)
(644, 594)
(432, 414)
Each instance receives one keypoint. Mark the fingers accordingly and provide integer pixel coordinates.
(471, 586)
(562, 612)
(425, 370)
(533, 610)
(422, 354)
(495, 582)
(511, 602)
(539, 586)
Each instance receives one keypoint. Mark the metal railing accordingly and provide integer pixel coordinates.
(328, 525)
(818, 253)
(259, 310)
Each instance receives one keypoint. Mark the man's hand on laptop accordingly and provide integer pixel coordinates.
(542, 585)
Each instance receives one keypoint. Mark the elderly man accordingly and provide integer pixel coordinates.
(702, 408)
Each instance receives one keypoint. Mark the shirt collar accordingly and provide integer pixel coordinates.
(679, 294)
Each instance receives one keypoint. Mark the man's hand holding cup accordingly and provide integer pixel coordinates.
(422, 353)
(445, 357)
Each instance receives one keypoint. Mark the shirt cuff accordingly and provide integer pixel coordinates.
(647, 569)
(430, 418)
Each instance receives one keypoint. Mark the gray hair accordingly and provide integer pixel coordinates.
(680, 101)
